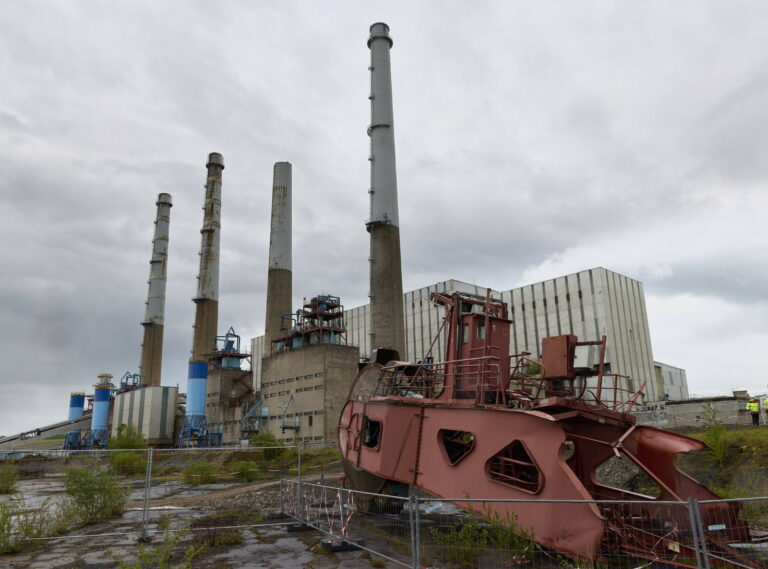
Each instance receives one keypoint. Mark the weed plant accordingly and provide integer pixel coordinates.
(8, 478)
(161, 557)
(94, 493)
(19, 526)
(469, 539)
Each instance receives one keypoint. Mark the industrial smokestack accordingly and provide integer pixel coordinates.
(207, 299)
(279, 276)
(152, 346)
(386, 289)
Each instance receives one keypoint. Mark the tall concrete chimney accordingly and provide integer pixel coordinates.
(386, 289)
(154, 318)
(206, 303)
(207, 299)
(279, 276)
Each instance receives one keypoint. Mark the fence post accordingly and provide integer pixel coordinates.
(415, 532)
(147, 490)
(697, 531)
(282, 496)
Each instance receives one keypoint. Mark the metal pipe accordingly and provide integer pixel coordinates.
(386, 285)
(279, 275)
(154, 318)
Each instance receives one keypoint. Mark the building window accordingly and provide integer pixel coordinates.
(371, 433)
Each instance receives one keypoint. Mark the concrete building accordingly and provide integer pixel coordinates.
(671, 382)
(589, 304)
(306, 380)
(151, 410)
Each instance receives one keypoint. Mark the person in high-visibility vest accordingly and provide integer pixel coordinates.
(753, 406)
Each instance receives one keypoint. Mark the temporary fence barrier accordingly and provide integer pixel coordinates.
(421, 531)
(221, 491)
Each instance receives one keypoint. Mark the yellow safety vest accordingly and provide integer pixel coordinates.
(753, 407)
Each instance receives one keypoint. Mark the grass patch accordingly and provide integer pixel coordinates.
(734, 465)
(247, 470)
(200, 473)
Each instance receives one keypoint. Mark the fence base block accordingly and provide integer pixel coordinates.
(299, 527)
(336, 545)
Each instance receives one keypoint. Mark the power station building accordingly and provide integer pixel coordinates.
(589, 304)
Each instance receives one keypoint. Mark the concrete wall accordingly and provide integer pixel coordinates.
(695, 412)
(311, 383)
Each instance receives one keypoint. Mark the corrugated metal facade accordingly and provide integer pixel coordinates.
(150, 409)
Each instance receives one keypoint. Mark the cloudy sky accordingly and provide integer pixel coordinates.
(551, 137)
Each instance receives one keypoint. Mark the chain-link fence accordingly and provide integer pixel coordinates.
(422, 531)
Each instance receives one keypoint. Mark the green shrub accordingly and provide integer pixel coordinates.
(128, 438)
(200, 473)
(268, 440)
(95, 494)
(247, 470)
(715, 434)
(462, 543)
(128, 463)
(8, 478)
(20, 526)
(467, 538)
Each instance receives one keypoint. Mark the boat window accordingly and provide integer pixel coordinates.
(457, 444)
(371, 433)
(514, 467)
